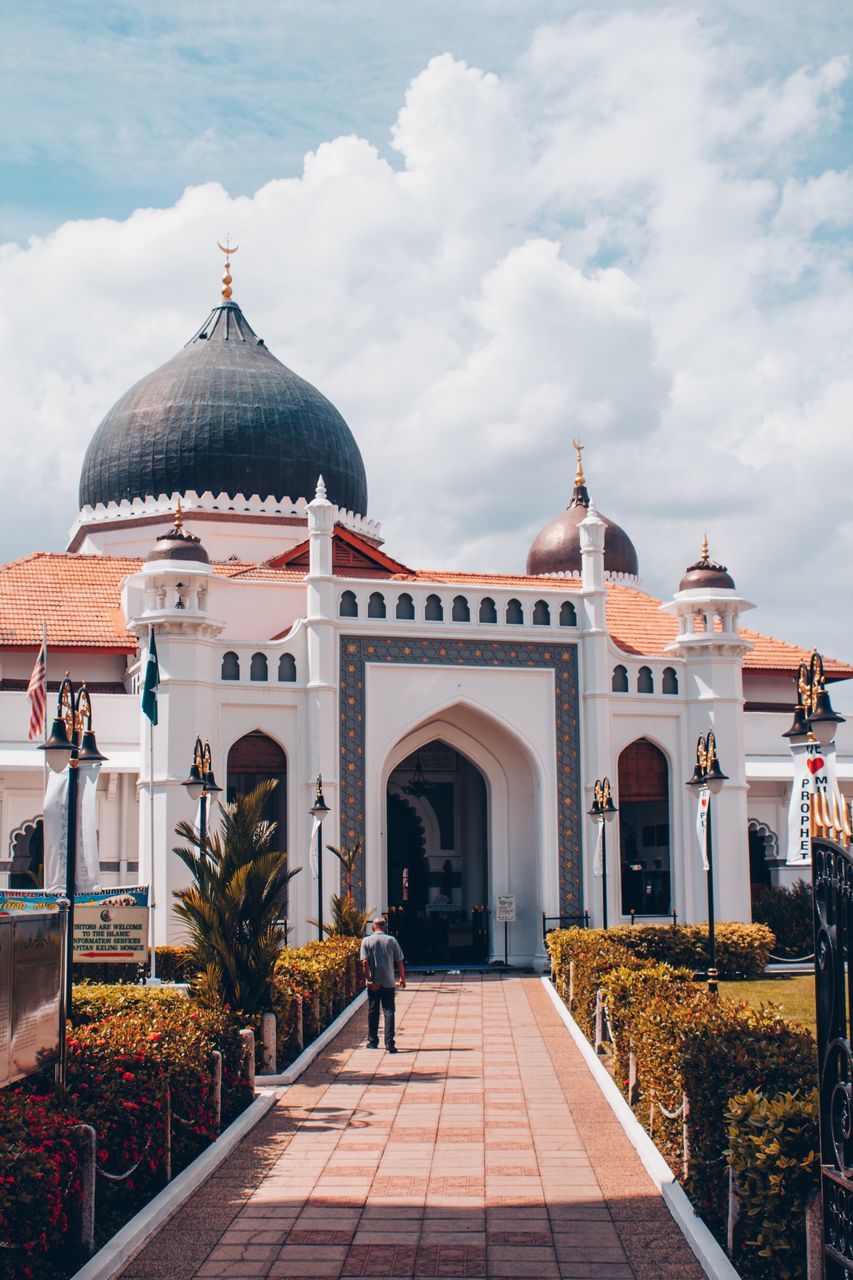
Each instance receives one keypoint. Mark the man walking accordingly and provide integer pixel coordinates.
(380, 952)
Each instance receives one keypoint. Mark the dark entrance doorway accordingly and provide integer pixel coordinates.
(437, 858)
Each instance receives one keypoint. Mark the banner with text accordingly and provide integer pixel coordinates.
(110, 925)
(815, 773)
(702, 824)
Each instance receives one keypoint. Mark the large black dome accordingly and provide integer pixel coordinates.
(223, 415)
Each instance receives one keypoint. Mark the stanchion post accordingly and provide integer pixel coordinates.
(216, 1083)
(88, 1144)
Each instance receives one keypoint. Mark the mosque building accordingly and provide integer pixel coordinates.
(459, 720)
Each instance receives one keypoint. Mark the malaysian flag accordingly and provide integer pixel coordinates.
(37, 693)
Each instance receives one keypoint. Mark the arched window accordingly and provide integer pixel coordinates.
(258, 669)
(376, 605)
(405, 608)
(287, 668)
(763, 853)
(620, 679)
(645, 680)
(252, 759)
(488, 612)
(670, 680)
(644, 843)
(230, 666)
(461, 612)
(514, 613)
(434, 610)
(26, 850)
(541, 614)
(349, 605)
(568, 614)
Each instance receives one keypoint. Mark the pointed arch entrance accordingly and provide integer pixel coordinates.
(258, 758)
(437, 843)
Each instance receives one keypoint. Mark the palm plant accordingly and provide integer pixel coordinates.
(233, 909)
(348, 920)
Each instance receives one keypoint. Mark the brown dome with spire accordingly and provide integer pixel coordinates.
(556, 549)
(178, 543)
(706, 574)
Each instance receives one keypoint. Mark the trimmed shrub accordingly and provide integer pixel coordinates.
(594, 953)
(742, 949)
(633, 986)
(174, 964)
(788, 913)
(774, 1149)
(328, 970)
(40, 1188)
(94, 1001)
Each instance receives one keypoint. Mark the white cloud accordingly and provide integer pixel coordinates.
(624, 237)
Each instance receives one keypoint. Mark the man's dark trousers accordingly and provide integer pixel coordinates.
(383, 996)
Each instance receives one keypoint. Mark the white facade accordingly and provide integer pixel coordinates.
(489, 691)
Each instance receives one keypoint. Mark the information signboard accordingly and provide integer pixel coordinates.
(111, 925)
(505, 913)
(30, 980)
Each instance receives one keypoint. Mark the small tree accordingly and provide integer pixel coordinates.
(348, 920)
(232, 911)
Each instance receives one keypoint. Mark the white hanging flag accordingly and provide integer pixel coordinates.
(702, 824)
(55, 831)
(87, 869)
(312, 852)
(808, 761)
(597, 858)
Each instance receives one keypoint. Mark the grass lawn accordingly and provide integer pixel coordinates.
(794, 993)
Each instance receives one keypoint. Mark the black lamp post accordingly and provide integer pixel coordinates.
(708, 776)
(200, 783)
(71, 743)
(815, 721)
(603, 811)
(319, 810)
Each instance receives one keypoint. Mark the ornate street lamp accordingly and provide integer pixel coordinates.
(813, 715)
(708, 777)
(603, 811)
(200, 783)
(71, 743)
(318, 811)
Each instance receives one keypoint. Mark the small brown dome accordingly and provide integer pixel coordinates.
(706, 574)
(178, 544)
(557, 547)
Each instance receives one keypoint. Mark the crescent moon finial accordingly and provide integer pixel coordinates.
(227, 249)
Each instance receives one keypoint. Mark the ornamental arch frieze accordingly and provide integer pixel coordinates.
(358, 653)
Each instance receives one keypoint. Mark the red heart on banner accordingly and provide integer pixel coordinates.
(815, 764)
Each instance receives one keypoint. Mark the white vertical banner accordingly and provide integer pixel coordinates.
(55, 830)
(702, 824)
(88, 873)
(597, 859)
(815, 773)
(312, 852)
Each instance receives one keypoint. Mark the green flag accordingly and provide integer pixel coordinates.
(152, 680)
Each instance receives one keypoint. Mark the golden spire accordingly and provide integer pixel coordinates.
(179, 516)
(227, 249)
(705, 549)
(579, 476)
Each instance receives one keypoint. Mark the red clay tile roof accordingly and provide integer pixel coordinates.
(79, 597)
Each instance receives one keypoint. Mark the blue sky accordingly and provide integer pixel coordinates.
(120, 105)
(481, 229)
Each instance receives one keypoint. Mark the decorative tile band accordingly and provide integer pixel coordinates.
(562, 659)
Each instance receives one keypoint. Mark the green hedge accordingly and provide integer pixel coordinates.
(326, 975)
(174, 964)
(788, 912)
(774, 1149)
(742, 949)
(685, 1041)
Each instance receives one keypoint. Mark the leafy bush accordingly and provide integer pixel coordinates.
(233, 909)
(326, 975)
(742, 949)
(633, 986)
(93, 1001)
(40, 1188)
(774, 1149)
(788, 912)
(594, 952)
(174, 964)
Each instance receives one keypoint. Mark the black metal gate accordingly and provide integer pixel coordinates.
(832, 881)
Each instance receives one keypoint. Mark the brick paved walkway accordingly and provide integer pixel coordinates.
(483, 1149)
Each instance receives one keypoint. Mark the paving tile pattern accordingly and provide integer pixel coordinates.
(483, 1149)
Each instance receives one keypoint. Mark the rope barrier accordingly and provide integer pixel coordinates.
(120, 1177)
(670, 1115)
(792, 959)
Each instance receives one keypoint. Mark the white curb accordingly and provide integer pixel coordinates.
(118, 1251)
(713, 1260)
(307, 1056)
